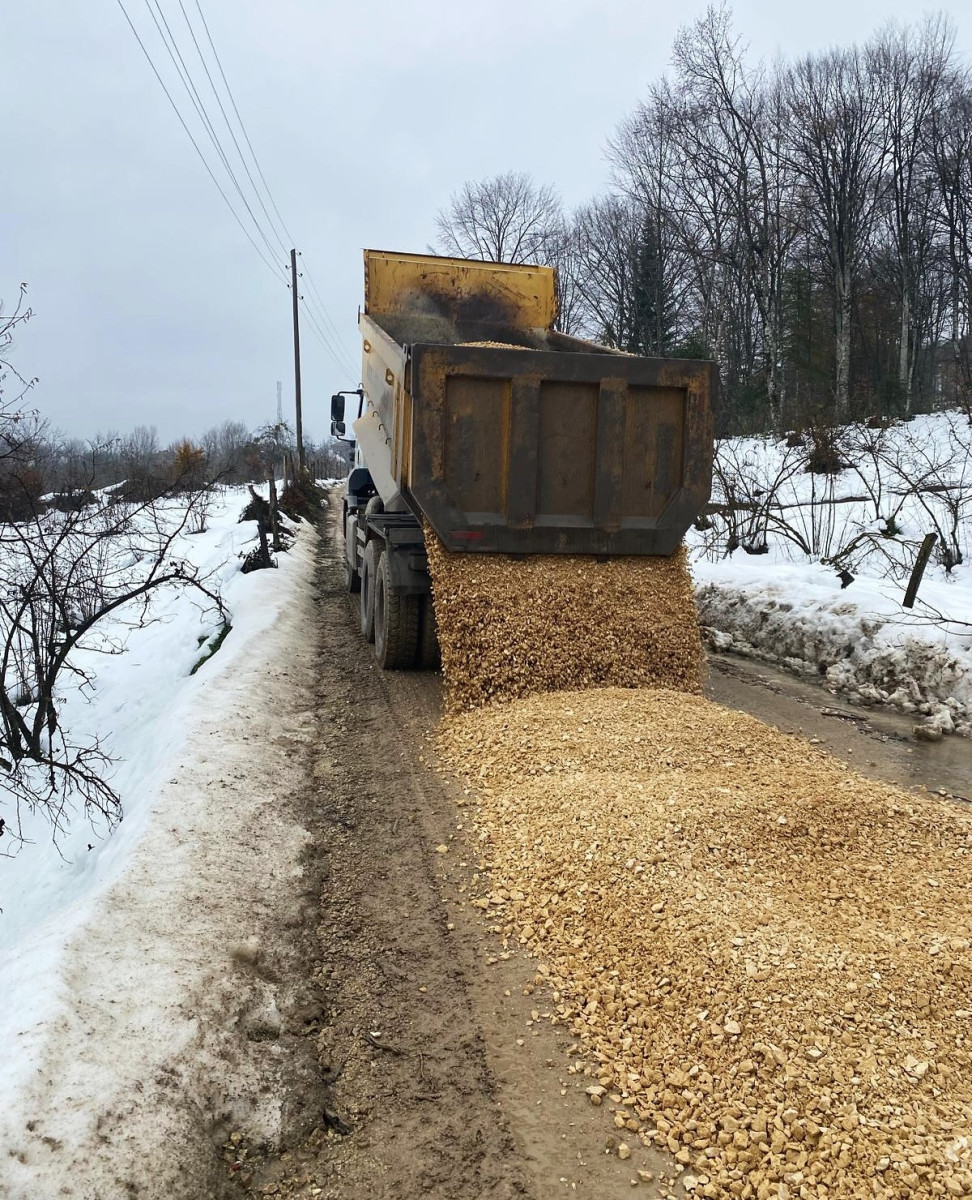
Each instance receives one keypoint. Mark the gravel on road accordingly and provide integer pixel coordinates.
(763, 958)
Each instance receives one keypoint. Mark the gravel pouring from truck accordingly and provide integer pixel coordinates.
(505, 436)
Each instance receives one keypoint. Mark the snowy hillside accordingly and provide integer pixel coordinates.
(768, 567)
(145, 705)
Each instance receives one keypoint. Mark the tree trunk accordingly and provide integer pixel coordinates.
(904, 349)
(842, 330)
(956, 309)
(771, 371)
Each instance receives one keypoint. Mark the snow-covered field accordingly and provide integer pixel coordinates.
(111, 947)
(767, 578)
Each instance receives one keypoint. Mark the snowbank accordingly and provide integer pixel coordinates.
(786, 604)
(136, 1019)
(862, 641)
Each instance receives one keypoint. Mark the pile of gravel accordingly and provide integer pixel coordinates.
(764, 958)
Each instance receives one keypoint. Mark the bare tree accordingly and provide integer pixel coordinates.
(618, 277)
(63, 570)
(61, 574)
(10, 412)
(951, 137)
(838, 151)
(506, 218)
(670, 156)
(143, 463)
(562, 253)
(913, 72)
(645, 152)
(232, 441)
(739, 127)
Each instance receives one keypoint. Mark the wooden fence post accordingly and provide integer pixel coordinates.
(924, 554)
(274, 513)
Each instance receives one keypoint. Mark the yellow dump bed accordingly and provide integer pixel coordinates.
(508, 436)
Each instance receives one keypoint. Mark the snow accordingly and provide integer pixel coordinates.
(113, 944)
(787, 605)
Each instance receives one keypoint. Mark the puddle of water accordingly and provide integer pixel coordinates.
(881, 744)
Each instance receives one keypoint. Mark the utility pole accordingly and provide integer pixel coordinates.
(279, 403)
(300, 421)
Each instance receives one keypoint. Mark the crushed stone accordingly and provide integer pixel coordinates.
(512, 626)
(763, 958)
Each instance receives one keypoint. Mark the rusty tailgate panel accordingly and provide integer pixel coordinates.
(532, 452)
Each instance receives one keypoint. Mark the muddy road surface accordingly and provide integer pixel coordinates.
(875, 741)
(437, 1075)
(440, 1077)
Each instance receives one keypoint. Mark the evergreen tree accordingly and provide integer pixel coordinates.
(653, 323)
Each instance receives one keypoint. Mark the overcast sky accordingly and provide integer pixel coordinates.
(150, 305)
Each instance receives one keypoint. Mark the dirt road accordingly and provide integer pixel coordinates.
(441, 1077)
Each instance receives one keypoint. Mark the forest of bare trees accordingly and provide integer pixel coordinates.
(807, 224)
(40, 468)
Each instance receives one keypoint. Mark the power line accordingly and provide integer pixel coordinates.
(246, 136)
(195, 145)
(316, 330)
(330, 333)
(325, 315)
(246, 168)
(320, 301)
(185, 75)
(339, 356)
(337, 352)
(315, 310)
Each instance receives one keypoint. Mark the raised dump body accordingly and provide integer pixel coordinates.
(556, 446)
(505, 436)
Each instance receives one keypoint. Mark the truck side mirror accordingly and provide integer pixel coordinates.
(337, 409)
(338, 428)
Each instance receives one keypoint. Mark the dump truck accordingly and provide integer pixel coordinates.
(479, 421)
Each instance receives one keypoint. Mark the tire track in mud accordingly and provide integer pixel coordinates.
(439, 1081)
(410, 1106)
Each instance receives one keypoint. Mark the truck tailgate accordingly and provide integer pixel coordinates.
(543, 452)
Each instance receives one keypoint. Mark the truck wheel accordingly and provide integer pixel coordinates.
(369, 577)
(352, 580)
(429, 656)
(352, 576)
(396, 623)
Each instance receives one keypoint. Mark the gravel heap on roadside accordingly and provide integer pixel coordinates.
(511, 626)
(764, 958)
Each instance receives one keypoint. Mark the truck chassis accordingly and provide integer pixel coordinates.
(387, 567)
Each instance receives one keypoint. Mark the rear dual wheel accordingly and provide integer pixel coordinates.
(402, 626)
(397, 623)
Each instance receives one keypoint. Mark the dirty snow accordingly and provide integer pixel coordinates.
(129, 1008)
(786, 603)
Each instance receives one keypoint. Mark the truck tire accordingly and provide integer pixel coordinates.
(352, 576)
(352, 580)
(369, 576)
(429, 655)
(397, 620)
